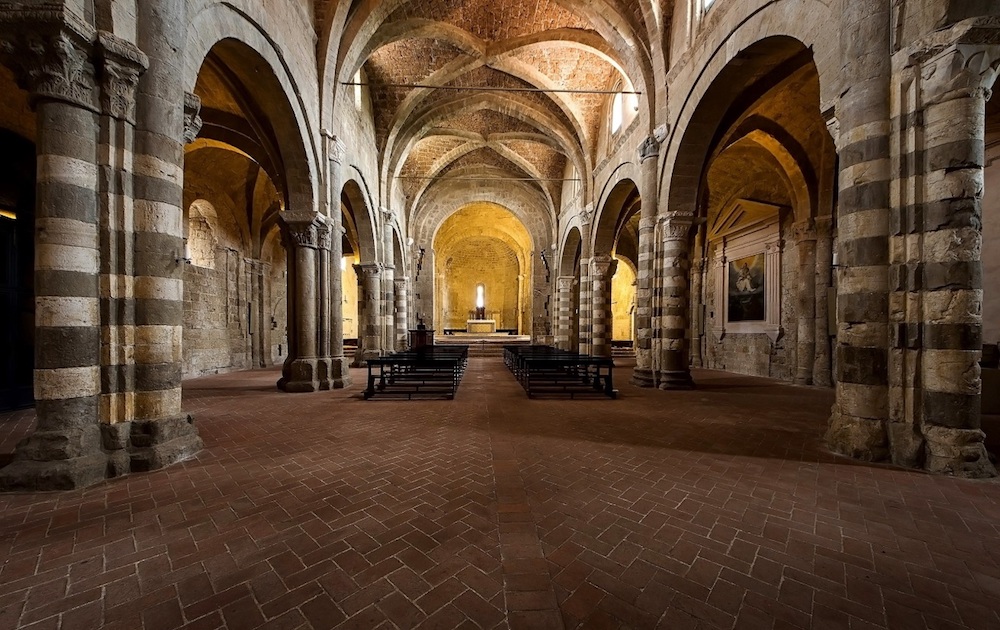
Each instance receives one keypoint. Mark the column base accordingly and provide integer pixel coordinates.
(859, 438)
(340, 372)
(958, 452)
(303, 377)
(361, 357)
(680, 379)
(642, 377)
(64, 474)
(160, 443)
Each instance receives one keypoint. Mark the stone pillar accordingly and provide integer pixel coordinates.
(53, 62)
(387, 324)
(402, 328)
(955, 84)
(339, 374)
(302, 241)
(324, 280)
(586, 315)
(602, 271)
(643, 375)
(161, 427)
(564, 311)
(697, 288)
(824, 273)
(369, 296)
(675, 372)
(858, 423)
(805, 240)
(122, 65)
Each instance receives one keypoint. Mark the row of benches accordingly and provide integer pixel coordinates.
(426, 372)
(545, 370)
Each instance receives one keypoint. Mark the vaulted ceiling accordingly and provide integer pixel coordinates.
(515, 90)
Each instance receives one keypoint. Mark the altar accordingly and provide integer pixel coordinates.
(481, 326)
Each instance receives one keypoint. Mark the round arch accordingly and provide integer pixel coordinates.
(356, 202)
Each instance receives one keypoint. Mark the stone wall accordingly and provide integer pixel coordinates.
(467, 264)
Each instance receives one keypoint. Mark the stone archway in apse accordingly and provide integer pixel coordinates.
(483, 245)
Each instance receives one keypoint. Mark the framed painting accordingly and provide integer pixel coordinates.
(747, 300)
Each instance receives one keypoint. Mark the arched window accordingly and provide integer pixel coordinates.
(480, 296)
(617, 112)
(357, 89)
(706, 4)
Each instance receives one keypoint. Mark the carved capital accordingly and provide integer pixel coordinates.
(804, 231)
(603, 267)
(675, 227)
(367, 270)
(52, 62)
(338, 150)
(565, 283)
(959, 71)
(824, 227)
(649, 149)
(123, 64)
(303, 229)
(192, 117)
(324, 235)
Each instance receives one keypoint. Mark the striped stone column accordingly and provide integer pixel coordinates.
(324, 272)
(858, 423)
(387, 322)
(586, 310)
(643, 375)
(697, 287)
(603, 269)
(340, 373)
(161, 433)
(955, 85)
(402, 316)
(564, 311)
(824, 274)
(53, 62)
(804, 233)
(369, 296)
(302, 237)
(675, 233)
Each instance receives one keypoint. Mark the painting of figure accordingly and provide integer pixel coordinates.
(746, 289)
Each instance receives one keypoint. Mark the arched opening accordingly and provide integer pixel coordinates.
(617, 234)
(762, 253)
(568, 293)
(482, 255)
(239, 174)
(991, 277)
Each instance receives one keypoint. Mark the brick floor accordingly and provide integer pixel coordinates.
(715, 508)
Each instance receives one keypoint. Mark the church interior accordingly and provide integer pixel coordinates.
(772, 220)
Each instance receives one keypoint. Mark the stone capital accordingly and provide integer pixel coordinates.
(192, 117)
(303, 228)
(123, 64)
(603, 267)
(324, 235)
(959, 71)
(675, 226)
(367, 270)
(51, 61)
(824, 227)
(400, 283)
(565, 283)
(649, 149)
(804, 230)
(337, 149)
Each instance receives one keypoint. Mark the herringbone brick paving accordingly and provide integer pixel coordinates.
(716, 508)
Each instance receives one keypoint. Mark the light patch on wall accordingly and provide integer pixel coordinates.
(8, 214)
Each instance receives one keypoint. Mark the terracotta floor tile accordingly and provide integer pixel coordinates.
(713, 508)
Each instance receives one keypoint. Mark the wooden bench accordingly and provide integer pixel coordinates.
(544, 370)
(427, 372)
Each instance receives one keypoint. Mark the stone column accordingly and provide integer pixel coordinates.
(122, 65)
(602, 271)
(402, 329)
(642, 375)
(858, 423)
(697, 289)
(564, 311)
(340, 374)
(586, 309)
(369, 296)
(162, 432)
(955, 84)
(387, 323)
(675, 372)
(324, 272)
(824, 273)
(302, 242)
(53, 62)
(805, 240)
